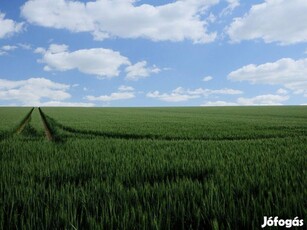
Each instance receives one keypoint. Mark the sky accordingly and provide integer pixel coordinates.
(122, 53)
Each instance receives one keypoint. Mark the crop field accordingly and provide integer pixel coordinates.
(152, 168)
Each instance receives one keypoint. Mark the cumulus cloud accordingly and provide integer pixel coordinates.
(123, 93)
(98, 61)
(208, 78)
(268, 99)
(32, 91)
(8, 27)
(291, 74)
(140, 70)
(104, 63)
(280, 21)
(175, 21)
(180, 94)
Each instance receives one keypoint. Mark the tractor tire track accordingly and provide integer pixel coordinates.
(24, 122)
(48, 131)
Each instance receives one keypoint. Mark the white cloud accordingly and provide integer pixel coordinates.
(180, 94)
(97, 61)
(140, 70)
(125, 88)
(171, 97)
(208, 78)
(211, 18)
(207, 92)
(25, 46)
(7, 48)
(291, 74)
(175, 21)
(56, 48)
(124, 93)
(219, 103)
(40, 50)
(32, 91)
(268, 99)
(232, 4)
(280, 21)
(282, 91)
(8, 27)
(65, 104)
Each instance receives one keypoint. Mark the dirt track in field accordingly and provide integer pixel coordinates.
(24, 122)
(48, 130)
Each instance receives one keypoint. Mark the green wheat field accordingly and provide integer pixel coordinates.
(152, 168)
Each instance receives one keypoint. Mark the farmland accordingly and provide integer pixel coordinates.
(152, 168)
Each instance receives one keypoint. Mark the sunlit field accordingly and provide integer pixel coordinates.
(151, 168)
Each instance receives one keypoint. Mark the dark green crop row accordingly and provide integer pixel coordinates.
(184, 123)
(159, 177)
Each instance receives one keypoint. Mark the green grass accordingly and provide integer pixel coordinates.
(10, 116)
(155, 168)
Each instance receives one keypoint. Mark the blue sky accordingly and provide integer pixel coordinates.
(153, 53)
